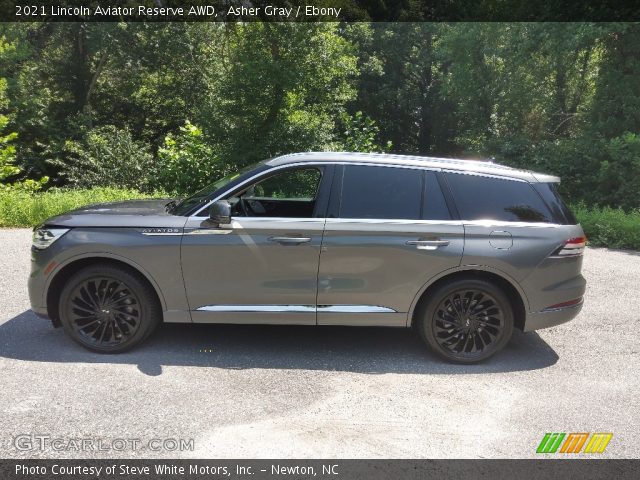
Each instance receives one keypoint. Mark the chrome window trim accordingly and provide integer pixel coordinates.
(249, 222)
(297, 308)
(483, 174)
(481, 223)
(503, 223)
(279, 220)
(394, 221)
(246, 221)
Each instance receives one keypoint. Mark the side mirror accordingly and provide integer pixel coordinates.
(220, 212)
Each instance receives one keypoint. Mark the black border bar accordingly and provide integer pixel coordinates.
(320, 10)
(583, 469)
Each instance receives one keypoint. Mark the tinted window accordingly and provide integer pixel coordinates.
(292, 184)
(479, 198)
(289, 193)
(550, 194)
(381, 192)
(435, 206)
(188, 204)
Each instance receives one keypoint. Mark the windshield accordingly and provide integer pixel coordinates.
(202, 196)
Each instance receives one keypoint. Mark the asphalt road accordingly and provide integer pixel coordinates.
(297, 392)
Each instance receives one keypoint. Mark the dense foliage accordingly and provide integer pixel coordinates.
(20, 208)
(174, 106)
(610, 227)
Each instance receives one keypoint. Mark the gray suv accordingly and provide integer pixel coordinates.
(462, 251)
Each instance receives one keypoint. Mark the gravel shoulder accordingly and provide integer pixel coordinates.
(298, 392)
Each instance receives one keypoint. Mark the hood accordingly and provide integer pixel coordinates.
(130, 213)
(153, 206)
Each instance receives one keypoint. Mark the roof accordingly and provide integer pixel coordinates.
(452, 164)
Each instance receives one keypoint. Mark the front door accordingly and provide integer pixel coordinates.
(388, 233)
(263, 266)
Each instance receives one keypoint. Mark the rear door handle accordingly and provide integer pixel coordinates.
(428, 244)
(290, 240)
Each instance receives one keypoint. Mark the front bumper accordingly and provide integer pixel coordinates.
(551, 318)
(36, 294)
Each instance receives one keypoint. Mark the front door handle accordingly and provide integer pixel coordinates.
(290, 240)
(428, 244)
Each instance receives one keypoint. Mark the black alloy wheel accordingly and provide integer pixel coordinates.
(467, 321)
(108, 308)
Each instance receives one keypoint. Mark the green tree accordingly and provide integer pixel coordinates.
(108, 157)
(282, 88)
(187, 163)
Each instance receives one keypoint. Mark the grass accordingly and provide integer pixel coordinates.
(604, 227)
(610, 227)
(24, 209)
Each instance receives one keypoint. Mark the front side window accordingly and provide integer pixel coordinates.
(191, 202)
(487, 198)
(289, 193)
(381, 192)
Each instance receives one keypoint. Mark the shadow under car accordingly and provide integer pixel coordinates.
(369, 350)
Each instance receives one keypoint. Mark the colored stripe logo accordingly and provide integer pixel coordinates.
(598, 442)
(573, 442)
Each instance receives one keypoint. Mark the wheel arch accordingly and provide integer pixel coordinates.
(514, 292)
(65, 270)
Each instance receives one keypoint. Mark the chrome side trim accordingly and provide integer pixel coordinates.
(354, 309)
(257, 308)
(297, 308)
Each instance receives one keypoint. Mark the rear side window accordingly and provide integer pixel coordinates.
(480, 198)
(381, 192)
(393, 193)
(561, 213)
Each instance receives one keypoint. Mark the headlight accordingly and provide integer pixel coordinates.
(43, 237)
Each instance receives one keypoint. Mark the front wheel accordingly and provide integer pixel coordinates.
(108, 309)
(466, 321)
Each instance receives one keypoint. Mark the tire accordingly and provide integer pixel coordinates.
(445, 325)
(108, 309)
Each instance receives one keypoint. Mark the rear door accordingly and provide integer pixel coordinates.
(388, 232)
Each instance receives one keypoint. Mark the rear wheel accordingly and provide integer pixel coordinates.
(466, 321)
(108, 309)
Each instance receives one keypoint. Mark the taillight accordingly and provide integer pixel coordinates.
(571, 248)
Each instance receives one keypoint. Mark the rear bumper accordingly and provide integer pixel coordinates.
(551, 318)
